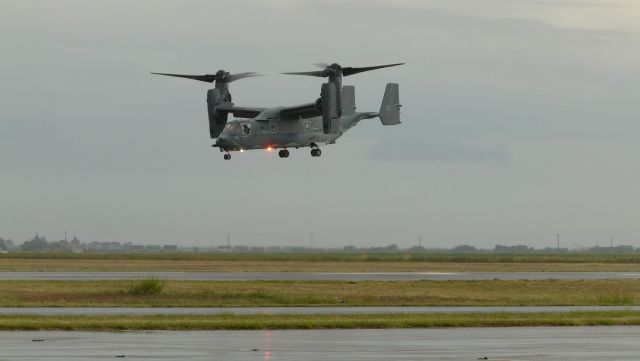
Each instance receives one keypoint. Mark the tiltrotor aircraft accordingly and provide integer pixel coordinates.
(306, 125)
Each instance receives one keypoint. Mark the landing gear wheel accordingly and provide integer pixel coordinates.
(316, 152)
(227, 156)
(283, 153)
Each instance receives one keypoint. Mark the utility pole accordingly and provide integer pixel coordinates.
(228, 242)
(611, 242)
(65, 236)
(558, 240)
(420, 241)
(311, 240)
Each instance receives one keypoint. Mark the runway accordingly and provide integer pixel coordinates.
(315, 276)
(514, 343)
(142, 311)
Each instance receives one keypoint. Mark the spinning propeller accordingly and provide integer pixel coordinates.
(221, 76)
(334, 69)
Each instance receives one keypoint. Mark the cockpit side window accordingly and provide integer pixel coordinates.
(246, 129)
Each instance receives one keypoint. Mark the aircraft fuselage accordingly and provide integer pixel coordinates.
(260, 133)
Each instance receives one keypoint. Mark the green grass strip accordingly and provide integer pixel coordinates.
(260, 322)
(158, 293)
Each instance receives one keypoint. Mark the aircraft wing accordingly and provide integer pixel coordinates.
(239, 112)
(300, 111)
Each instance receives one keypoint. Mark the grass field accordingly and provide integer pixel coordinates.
(318, 262)
(259, 322)
(318, 293)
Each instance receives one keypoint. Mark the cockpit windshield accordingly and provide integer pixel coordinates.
(232, 128)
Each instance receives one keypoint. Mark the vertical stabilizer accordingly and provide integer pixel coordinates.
(390, 108)
(348, 100)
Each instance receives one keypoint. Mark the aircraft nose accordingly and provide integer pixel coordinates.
(224, 141)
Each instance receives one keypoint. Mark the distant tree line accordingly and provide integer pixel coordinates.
(40, 244)
(465, 248)
(6, 244)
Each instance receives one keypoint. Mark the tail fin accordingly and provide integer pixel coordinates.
(348, 100)
(390, 108)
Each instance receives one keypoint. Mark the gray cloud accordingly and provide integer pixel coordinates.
(514, 127)
(418, 150)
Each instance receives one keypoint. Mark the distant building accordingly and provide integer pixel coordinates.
(152, 248)
(104, 247)
(170, 248)
(76, 245)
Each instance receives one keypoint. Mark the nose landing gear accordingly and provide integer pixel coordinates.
(316, 152)
(283, 153)
(227, 156)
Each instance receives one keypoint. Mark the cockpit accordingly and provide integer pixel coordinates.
(235, 128)
(232, 128)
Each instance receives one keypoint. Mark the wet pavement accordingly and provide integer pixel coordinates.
(74, 311)
(316, 276)
(516, 343)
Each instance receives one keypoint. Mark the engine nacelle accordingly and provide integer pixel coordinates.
(217, 121)
(329, 105)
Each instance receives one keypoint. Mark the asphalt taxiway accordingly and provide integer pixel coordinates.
(513, 343)
(316, 276)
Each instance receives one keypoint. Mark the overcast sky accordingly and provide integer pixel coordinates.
(520, 121)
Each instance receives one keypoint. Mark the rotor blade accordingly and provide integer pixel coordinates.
(351, 71)
(209, 78)
(319, 73)
(234, 77)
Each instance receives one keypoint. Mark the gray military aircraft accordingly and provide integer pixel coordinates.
(305, 125)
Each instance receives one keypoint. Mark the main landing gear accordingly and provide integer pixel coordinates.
(315, 151)
(227, 156)
(283, 153)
